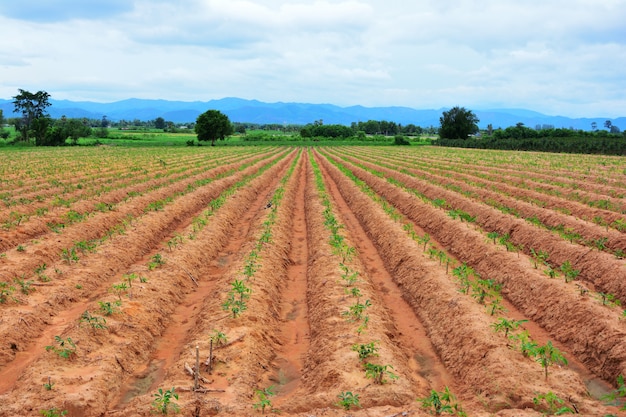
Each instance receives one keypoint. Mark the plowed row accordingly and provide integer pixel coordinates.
(271, 266)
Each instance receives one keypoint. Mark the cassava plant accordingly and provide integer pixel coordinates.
(548, 355)
(438, 403)
(263, 397)
(551, 404)
(347, 400)
(379, 372)
(365, 350)
(164, 401)
(507, 325)
(66, 347)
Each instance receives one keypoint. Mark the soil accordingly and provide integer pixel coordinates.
(297, 339)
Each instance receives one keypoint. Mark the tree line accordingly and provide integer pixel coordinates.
(459, 128)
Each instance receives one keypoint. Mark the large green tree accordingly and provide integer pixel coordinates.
(458, 123)
(33, 107)
(213, 125)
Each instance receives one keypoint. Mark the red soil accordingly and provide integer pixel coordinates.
(294, 335)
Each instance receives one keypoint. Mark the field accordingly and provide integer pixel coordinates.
(328, 281)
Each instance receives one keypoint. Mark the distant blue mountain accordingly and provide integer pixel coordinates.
(254, 111)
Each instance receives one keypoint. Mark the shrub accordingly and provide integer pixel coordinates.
(400, 140)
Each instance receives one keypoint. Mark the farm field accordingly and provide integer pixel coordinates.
(328, 281)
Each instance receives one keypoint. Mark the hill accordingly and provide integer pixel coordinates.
(254, 111)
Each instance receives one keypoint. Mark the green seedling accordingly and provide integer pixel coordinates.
(263, 397)
(164, 401)
(379, 372)
(347, 400)
(66, 347)
(506, 325)
(6, 292)
(618, 394)
(69, 255)
(355, 311)
(26, 287)
(438, 403)
(95, 322)
(548, 355)
(157, 261)
(365, 350)
(109, 308)
(219, 338)
(553, 404)
(570, 273)
(119, 289)
(48, 385)
(53, 412)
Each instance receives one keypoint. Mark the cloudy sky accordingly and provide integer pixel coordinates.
(559, 57)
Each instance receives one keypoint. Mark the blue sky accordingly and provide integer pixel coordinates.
(559, 57)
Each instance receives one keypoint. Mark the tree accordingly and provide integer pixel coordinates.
(34, 117)
(608, 124)
(212, 125)
(458, 123)
(3, 133)
(159, 123)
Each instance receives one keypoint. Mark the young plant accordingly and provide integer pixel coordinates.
(347, 400)
(69, 255)
(493, 236)
(109, 308)
(424, 240)
(441, 402)
(496, 306)
(609, 299)
(548, 355)
(354, 292)
(263, 397)
(66, 348)
(239, 287)
(507, 325)
(539, 257)
(363, 326)
(157, 261)
(26, 287)
(348, 276)
(570, 273)
(365, 350)
(164, 401)
(53, 412)
(236, 306)
(219, 338)
(6, 292)
(355, 311)
(553, 404)
(119, 289)
(551, 272)
(379, 372)
(130, 278)
(48, 385)
(527, 346)
(619, 393)
(95, 322)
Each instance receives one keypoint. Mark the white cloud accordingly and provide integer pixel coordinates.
(556, 56)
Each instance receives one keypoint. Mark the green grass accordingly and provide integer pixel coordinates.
(157, 137)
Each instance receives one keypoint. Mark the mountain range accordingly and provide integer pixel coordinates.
(254, 111)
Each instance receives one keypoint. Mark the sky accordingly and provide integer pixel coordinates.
(558, 57)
